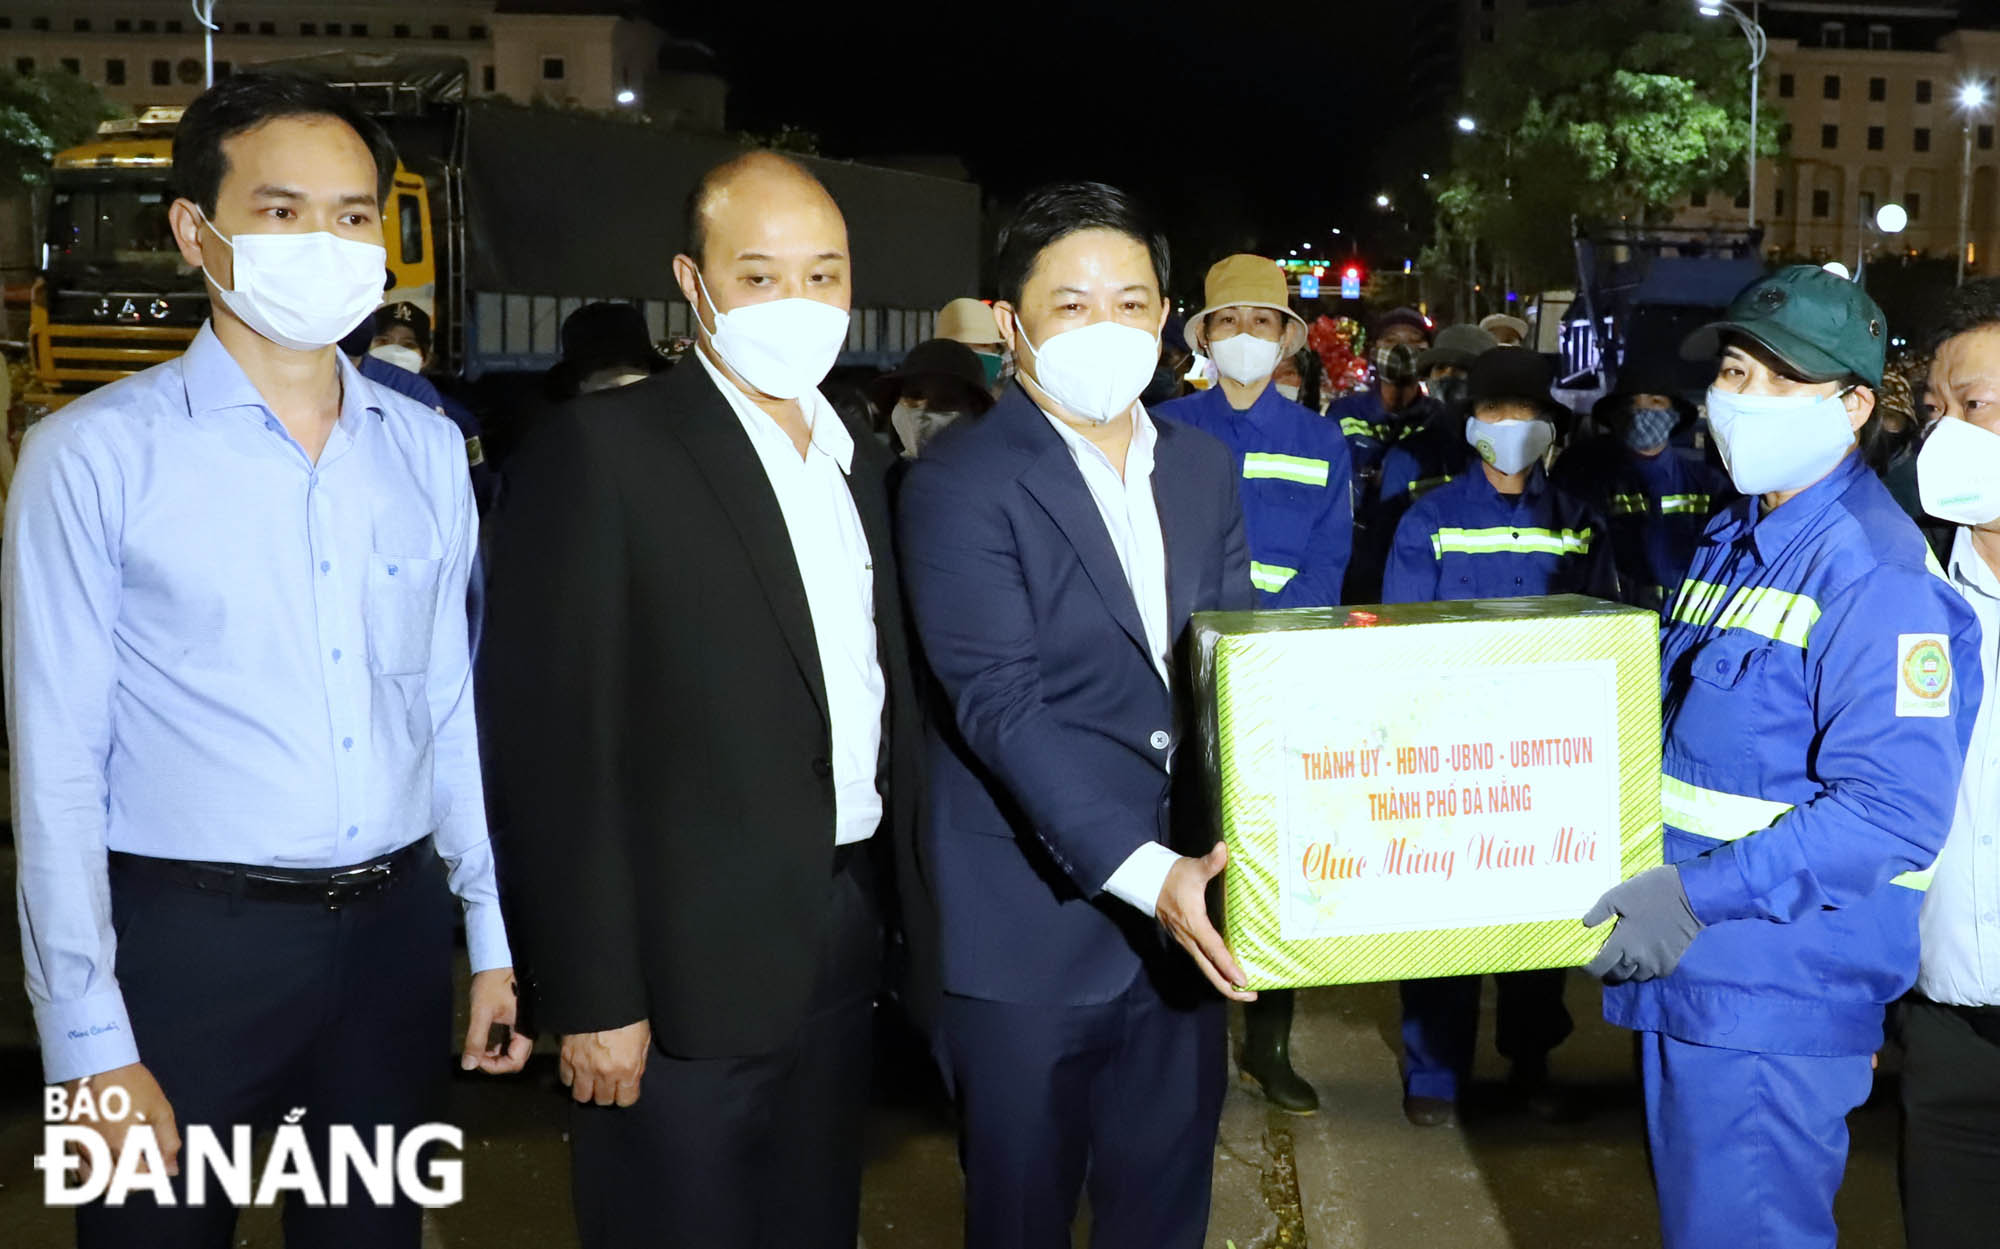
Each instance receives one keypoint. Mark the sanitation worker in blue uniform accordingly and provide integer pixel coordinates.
(1500, 532)
(1656, 496)
(1293, 475)
(1820, 680)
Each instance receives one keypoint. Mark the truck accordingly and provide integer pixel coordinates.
(1640, 291)
(504, 219)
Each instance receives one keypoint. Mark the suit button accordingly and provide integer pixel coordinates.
(1160, 739)
(822, 768)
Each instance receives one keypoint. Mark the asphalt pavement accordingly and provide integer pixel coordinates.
(1354, 1175)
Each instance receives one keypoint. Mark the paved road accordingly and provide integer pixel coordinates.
(1355, 1175)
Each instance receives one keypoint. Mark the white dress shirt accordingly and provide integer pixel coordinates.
(1132, 518)
(839, 575)
(1960, 922)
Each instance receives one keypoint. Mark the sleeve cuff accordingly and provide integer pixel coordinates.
(84, 1037)
(1714, 887)
(1142, 875)
(486, 937)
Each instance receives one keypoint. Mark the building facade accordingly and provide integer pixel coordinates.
(595, 56)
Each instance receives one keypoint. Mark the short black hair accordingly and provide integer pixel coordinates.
(247, 100)
(1973, 306)
(1052, 213)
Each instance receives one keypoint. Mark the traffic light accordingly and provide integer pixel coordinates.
(1350, 282)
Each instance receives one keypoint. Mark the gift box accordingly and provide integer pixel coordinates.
(1427, 789)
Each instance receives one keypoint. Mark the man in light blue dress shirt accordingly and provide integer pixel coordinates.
(244, 760)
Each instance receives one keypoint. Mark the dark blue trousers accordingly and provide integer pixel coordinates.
(1441, 1026)
(244, 1010)
(1748, 1148)
(1127, 1093)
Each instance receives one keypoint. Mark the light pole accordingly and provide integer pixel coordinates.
(1755, 34)
(1971, 98)
(204, 13)
(1889, 219)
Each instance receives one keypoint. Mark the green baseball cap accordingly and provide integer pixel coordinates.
(1823, 327)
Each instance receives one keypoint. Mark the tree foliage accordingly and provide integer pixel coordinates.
(1610, 110)
(40, 115)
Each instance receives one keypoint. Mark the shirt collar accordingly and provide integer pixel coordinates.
(1968, 571)
(1530, 491)
(829, 432)
(1138, 456)
(215, 382)
(1770, 531)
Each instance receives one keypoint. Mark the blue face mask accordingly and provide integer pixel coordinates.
(1779, 443)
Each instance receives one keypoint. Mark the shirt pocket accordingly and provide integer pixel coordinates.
(1286, 512)
(1733, 661)
(401, 612)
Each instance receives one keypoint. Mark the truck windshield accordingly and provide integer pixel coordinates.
(113, 229)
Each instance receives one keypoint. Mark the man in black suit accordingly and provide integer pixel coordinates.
(705, 730)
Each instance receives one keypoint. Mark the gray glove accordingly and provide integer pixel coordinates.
(1655, 927)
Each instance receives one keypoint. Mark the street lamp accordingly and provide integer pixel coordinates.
(626, 95)
(1466, 125)
(204, 14)
(1755, 34)
(1889, 219)
(1971, 100)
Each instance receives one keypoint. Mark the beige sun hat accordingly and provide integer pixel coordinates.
(1242, 281)
(969, 321)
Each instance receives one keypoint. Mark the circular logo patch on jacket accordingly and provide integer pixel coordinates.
(1924, 672)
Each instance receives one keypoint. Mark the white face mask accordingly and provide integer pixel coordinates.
(1509, 446)
(407, 358)
(1289, 391)
(1245, 358)
(302, 291)
(1097, 372)
(917, 425)
(1958, 473)
(783, 347)
(1776, 443)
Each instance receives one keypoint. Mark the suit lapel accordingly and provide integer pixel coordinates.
(708, 427)
(1058, 486)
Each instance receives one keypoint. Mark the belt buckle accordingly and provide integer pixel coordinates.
(343, 886)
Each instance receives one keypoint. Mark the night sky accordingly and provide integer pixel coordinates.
(1241, 124)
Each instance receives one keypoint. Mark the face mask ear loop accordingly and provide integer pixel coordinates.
(713, 310)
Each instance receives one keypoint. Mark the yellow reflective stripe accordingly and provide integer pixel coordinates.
(1355, 427)
(1714, 814)
(1931, 563)
(1285, 468)
(1721, 816)
(1270, 578)
(1774, 613)
(1626, 504)
(1508, 539)
(1697, 601)
(1424, 485)
(1688, 503)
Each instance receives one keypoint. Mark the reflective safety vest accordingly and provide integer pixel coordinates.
(1296, 485)
(1657, 507)
(1820, 680)
(1466, 540)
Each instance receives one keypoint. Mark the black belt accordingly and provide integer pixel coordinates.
(331, 887)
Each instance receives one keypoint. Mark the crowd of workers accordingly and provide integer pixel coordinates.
(790, 697)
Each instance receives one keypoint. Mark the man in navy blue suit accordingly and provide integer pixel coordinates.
(1054, 550)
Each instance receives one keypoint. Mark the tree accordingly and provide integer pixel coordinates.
(40, 115)
(1612, 110)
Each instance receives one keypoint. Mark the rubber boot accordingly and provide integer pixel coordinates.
(1267, 1053)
